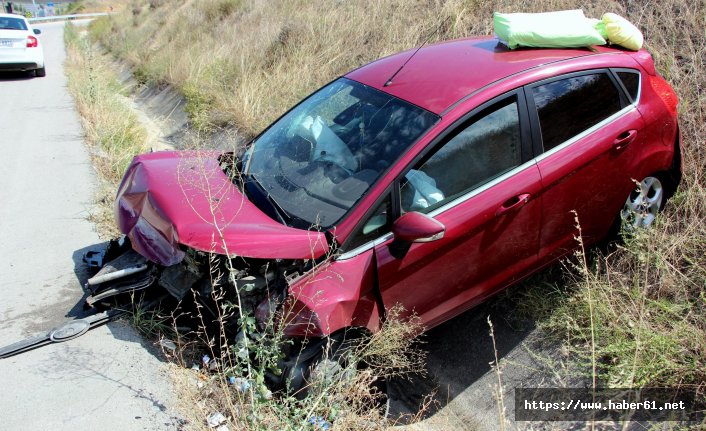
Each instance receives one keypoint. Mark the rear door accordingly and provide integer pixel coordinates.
(589, 136)
(480, 182)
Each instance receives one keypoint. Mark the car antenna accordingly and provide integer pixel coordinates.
(389, 81)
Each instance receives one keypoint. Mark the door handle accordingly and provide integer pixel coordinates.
(624, 139)
(513, 204)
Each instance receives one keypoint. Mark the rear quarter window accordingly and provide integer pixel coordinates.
(631, 81)
(567, 107)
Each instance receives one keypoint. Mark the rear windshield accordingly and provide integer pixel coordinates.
(9, 23)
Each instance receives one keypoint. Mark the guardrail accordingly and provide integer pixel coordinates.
(67, 17)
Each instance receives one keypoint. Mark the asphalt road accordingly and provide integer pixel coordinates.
(108, 379)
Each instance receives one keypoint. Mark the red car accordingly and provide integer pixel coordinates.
(433, 186)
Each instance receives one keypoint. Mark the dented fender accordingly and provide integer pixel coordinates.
(172, 199)
(333, 296)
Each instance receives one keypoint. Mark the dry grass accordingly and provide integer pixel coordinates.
(113, 132)
(241, 63)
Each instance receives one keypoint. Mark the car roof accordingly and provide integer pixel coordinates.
(441, 74)
(12, 15)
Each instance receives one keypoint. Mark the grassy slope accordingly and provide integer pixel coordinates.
(113, 132)
(242, 63)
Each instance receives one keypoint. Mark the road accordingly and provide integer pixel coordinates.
(110, 378)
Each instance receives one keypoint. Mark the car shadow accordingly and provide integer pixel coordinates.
(16, 76)
(83, 273)
(120, 329)
(459, 352)
(460, 378)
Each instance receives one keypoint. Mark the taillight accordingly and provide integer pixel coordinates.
(32, 42)
(665, 92)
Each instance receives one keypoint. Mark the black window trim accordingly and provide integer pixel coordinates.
(441, 139)
(536, 131)
(615, 70)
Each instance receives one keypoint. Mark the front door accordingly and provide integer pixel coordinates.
(482, 186)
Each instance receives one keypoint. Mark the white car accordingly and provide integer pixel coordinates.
(20, 49)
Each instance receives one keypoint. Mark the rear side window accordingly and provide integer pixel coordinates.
(569, 106)
(631, 81)
(9, 23)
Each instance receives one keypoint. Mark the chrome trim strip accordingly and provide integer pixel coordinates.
(586, 132)
(365, 247)
(463, 198)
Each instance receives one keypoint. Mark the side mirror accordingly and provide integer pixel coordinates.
(37, 31)
(417, 227)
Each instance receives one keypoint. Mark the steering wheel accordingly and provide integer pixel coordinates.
(333, 171)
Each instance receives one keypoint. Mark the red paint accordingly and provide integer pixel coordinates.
(491, 240)
(169, 199)
(414, 226)
(441, 74)
(333, 296)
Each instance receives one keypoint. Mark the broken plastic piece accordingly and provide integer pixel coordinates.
(168, 344)
(102, 278)
(215, 419)
(241, 384)
(96, 259)
(320, 423)
(69, 330)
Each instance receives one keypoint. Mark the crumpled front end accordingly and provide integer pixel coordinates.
(169, 201)
(140, 219)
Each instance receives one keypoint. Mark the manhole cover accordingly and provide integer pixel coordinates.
(72, 329)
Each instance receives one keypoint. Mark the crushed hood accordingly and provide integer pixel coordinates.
(171, 198)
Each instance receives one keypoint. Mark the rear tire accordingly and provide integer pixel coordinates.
(622, 227)
(41, 72)
(644, 203)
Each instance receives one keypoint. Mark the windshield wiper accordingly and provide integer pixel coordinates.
(276, 209)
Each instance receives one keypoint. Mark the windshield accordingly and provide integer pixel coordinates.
(9, 23)
(322, 156)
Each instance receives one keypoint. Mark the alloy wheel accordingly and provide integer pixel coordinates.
(643, 204)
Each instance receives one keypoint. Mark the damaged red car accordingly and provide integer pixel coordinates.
(432, 182)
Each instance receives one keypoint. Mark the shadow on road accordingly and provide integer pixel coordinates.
(459, 388)
(83, 273)
(120, 330)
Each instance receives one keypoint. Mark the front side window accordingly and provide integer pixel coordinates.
(319, 159)
(567, 107)
(376, 225)
(480, 150)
